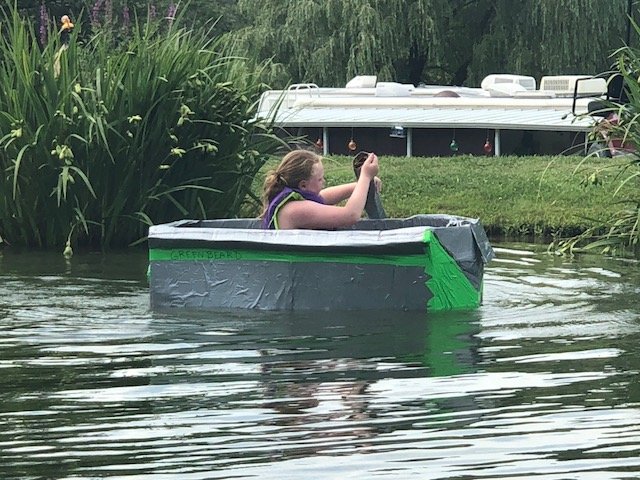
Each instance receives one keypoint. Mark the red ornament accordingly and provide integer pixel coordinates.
(319, 144)
(488, 148)
(352, 145)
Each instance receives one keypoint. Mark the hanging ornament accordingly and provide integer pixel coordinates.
(319, 144)
(453, 146)
(352, 145)
(488, 147)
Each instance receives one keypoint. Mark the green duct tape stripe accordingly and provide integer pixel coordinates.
(232, 255)
(450, 287)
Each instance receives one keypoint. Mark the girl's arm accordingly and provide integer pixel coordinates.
(307, 214)
(336, 194)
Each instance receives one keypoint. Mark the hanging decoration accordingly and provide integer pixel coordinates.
(398, 132)
(319, 143)
(453, 146)
(488, 146)
(352, 145)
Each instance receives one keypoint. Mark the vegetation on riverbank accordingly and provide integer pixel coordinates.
(102, 137)
(518, 197)
(142, 122)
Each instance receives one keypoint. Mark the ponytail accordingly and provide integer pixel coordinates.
(295, 167)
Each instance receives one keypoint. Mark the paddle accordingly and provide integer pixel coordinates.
(373, 206)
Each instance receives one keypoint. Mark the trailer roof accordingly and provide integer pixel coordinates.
(444, 116)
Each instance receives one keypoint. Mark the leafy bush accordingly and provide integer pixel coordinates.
(101, 139)
(620, 233)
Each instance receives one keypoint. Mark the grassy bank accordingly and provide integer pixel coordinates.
(517, 197)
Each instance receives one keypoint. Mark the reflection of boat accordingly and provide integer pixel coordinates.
(508, 114)
(425, 262)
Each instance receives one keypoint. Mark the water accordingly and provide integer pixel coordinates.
(541, 382)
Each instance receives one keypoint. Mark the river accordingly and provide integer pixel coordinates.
(540, 382)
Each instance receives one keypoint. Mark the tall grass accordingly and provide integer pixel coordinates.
(620, 232)
(103, 138)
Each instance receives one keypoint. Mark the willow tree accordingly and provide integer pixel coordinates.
(330, 41)
(548, 37)
(431, 41)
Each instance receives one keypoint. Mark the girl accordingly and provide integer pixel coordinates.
(294, 195)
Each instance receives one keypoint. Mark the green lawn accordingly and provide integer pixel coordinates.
(513, 196)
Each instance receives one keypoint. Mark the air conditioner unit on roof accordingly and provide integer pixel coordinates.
(528, 83)
(566, 85)
(362, 81)
(393, 89)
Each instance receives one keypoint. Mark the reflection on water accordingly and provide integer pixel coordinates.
(540, 381)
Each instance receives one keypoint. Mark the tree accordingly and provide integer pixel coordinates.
(431, 41)
(330, 41)
(548, 38)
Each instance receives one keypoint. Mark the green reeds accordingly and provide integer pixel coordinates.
(620, 232)
(101, 139)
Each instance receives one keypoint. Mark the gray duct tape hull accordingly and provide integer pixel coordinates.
(426, 262)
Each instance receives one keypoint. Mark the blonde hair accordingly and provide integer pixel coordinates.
(295, 167)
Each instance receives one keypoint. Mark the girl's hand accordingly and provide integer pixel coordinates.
(370, 167)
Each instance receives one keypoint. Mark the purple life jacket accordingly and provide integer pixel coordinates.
(270, 221)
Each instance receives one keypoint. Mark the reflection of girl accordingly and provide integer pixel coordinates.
(294, 194)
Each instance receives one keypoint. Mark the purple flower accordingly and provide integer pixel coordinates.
(126, 18)
(108, 12)
(95, 14)
(44, 24)
(171, 12)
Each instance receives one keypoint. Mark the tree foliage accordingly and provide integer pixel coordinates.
(330, 41)
(431, 41)
(548, 37)
(620, 233)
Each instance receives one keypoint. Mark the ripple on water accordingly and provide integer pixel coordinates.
(540, 382)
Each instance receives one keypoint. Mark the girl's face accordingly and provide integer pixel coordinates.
(315, 183)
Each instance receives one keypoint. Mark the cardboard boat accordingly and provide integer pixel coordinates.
(420, 263)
